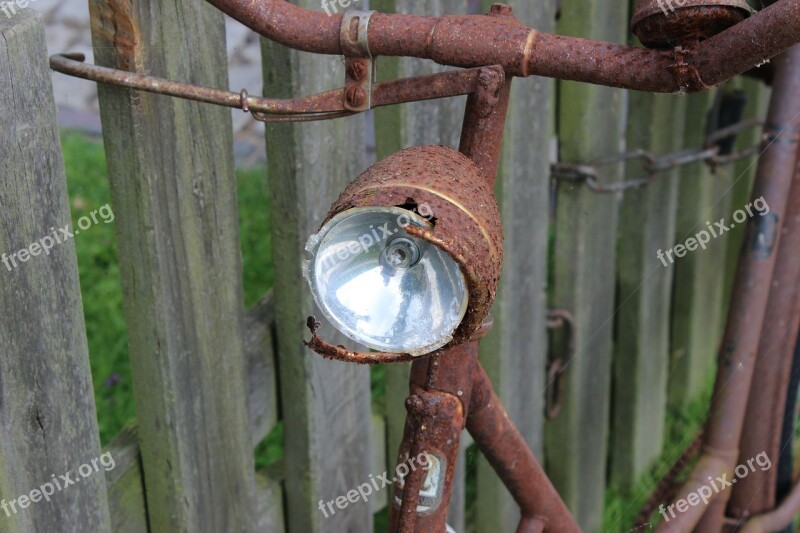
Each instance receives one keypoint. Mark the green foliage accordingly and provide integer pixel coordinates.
(270, 450)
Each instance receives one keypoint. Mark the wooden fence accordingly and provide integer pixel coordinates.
(211, 380)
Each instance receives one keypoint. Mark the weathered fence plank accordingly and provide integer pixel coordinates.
(174, 194)
(591, 125)
(125, 481)
(326, 404)
(48, 424)
(126, 498)
(641, 348)
(694, 306)
(418, 123)
(514, 353)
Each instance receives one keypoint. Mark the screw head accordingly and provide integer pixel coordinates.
(356, 96)
(357, 70)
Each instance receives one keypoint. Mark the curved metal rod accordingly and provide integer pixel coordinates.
(315, 107)
(320, 106)
(480, 40)
(340, 353)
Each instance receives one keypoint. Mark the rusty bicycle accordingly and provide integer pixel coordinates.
(421, 290)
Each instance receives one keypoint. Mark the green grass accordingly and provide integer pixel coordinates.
(87, 180)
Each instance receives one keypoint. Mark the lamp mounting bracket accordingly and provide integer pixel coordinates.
(359, 63)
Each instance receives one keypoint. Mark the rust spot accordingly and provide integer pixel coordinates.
(114, 23)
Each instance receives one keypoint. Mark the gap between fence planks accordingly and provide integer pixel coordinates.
(48, 420)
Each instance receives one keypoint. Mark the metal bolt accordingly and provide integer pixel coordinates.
(357, 70)
(356, 96)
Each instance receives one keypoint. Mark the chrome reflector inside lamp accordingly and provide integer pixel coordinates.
(382, 287)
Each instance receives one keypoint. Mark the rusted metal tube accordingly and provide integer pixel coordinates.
(756, 493)
(750, 294)
(440, 396)
(779, 518)
(480, 40)
(484, 120)
(509, 455)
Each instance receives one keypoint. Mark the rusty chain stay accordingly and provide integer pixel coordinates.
(709, 152)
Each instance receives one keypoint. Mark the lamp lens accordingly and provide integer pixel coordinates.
(382, 287)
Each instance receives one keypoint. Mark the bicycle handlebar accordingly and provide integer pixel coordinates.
(480, 40)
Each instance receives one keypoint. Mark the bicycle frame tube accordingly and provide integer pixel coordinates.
(746, 316)
(756, 493)
(479, 40)
(447, 391)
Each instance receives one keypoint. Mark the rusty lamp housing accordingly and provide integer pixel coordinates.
(408, 258)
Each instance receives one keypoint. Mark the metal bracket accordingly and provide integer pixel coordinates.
(359, 63)
(554, 391)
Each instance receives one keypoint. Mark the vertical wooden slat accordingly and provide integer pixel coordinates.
(126, 492)
(694, 306)
(326, 404)
(48, 421)
(590, 126)
(431, 122)
(641, 349)
(174, 194)
(514, 353)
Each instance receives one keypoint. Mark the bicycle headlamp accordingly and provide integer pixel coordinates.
(408, 258)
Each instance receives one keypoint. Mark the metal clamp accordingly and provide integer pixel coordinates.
(359, 63)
